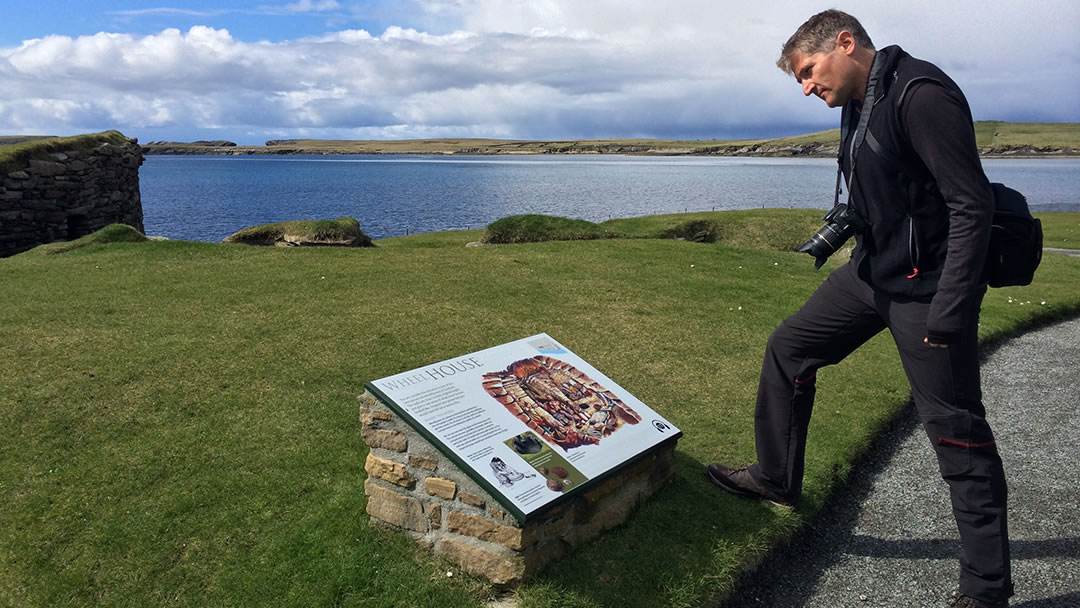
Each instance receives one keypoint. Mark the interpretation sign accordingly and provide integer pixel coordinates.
(529, 420)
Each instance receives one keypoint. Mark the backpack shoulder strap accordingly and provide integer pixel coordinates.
(905, 165)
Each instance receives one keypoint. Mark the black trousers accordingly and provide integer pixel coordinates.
(843, 314)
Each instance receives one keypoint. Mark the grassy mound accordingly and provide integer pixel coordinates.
(699, 231)
(113, 233)
(776, 229)
(342, 232)
(533, 228)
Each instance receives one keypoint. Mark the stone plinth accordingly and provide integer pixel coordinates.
(413, 487)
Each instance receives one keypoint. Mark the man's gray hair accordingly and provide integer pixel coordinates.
(819, 34)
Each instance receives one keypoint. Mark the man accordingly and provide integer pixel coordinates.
(921, 209)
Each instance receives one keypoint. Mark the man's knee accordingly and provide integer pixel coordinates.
(791, 353)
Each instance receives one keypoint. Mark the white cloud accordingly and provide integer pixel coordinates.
(540, 69)
(166, 11)
(307, 6)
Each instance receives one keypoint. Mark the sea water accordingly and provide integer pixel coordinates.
(206, 198)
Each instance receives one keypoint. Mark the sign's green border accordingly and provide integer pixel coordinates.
(518, 514)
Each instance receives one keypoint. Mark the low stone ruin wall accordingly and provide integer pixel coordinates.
(73, 193)
(411, 486)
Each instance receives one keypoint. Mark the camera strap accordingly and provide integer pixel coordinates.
(860, 129)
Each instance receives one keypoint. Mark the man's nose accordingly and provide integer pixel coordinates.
(807, 87)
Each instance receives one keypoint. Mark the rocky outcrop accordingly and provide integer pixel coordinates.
(1024, 151)
(304, 240)
(342, 232)
(61, 193)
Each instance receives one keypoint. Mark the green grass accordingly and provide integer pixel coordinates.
(776, 229)
(180, 425)
(1040, 135)
(1061, 230)
(113, 233)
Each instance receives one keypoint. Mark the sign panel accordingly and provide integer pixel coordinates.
(529, 420)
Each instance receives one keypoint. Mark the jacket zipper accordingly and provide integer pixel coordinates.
(913, 248)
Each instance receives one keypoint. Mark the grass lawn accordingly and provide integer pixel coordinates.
(179, 424)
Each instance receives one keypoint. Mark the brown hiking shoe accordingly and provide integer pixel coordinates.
(741, 483)
(960, 600)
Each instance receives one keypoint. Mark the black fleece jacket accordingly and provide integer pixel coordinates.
(928, 209)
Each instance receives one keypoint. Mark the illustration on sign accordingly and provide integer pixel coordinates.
(528, 420)
(555, 399)
(559, 474)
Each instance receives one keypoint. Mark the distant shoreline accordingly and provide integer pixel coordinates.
(994, 140)
(803, 151)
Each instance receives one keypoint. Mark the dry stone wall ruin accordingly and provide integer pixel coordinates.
(70, 193)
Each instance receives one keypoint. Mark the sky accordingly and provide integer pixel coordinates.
(515, 69)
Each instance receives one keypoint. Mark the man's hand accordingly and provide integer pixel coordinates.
(932, 345)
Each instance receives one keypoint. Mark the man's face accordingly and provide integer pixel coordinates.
(827, 74)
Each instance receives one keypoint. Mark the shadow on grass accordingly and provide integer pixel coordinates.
(684, 545)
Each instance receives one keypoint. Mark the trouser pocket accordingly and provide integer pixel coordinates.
(964, 444)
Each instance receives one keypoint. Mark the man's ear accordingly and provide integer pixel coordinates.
(845, 41)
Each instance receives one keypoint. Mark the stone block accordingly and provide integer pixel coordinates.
(421, 462)
(480, 527)
(388, 470)
(498, 568)
(435, 516)
(443, 488)
(388, 440)
(558, 525)
(544, 554)
(371, 410)
(20, 174)
(606, 488)
(393, 508)
(473, 499)
(46, 168)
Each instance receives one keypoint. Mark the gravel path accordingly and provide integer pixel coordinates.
(889, 538)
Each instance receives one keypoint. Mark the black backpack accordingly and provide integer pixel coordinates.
(1015, 241)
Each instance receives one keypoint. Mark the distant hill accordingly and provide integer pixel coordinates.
(994, 138)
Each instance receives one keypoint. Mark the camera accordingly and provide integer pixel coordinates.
(833, 234)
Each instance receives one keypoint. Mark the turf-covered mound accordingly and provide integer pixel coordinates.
(535, 228)
(113, 233)
(699, 231)
(342, 232)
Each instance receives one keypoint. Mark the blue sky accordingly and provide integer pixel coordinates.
(248, 21)
(530, 69)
